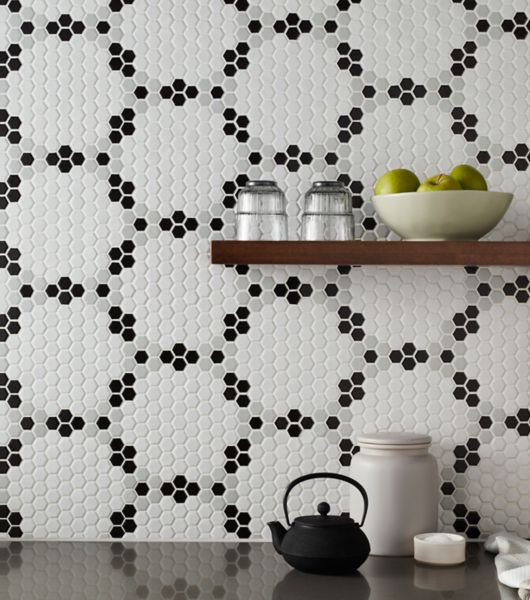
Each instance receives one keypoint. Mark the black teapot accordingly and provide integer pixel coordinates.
(324, 544)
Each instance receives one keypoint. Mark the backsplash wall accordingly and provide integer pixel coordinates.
(145, 393)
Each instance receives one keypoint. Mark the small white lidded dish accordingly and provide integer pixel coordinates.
(440, 548)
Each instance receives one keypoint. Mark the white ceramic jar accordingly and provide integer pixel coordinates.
(402, 482)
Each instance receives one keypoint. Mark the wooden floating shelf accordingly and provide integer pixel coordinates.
(370, 253)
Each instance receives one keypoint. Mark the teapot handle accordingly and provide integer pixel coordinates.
(345, 478)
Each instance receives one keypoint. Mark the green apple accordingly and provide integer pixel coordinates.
(469, 178)
(439, 183)
(396, 181)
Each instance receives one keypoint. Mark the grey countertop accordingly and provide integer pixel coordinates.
(245, 571)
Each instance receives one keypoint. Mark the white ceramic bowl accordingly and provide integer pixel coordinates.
(450, 215)
(430, 551)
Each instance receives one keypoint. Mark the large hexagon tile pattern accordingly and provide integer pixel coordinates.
(145, 393)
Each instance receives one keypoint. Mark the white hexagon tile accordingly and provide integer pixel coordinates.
(147, 394)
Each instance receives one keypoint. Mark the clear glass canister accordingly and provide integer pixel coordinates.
(327, 227)
(261, 212)
(327, 212)
(402, 482)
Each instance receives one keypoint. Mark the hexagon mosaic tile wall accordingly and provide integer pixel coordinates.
(147, 394)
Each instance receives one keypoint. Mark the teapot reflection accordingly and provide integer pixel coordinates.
(304, 586)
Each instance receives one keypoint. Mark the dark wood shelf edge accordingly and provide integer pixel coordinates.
(231, 252)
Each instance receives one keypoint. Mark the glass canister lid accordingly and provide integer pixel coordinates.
(256, 183)
(394, 439)
(261, 196)
(328, 197)
(327, 185)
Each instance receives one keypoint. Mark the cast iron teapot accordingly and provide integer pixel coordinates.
(325, 544)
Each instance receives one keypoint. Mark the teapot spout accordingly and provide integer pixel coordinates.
(278, 532)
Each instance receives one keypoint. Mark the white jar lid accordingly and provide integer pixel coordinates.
(393, 439)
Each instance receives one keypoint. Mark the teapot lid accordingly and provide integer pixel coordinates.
(323, 519)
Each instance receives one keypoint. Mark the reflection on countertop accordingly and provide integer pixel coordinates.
(244, 571)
